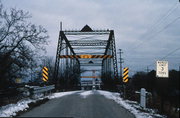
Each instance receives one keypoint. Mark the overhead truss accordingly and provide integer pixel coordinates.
(85, 49)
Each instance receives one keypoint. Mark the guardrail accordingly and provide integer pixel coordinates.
(32, 90)
(43, 89)
(14, 94)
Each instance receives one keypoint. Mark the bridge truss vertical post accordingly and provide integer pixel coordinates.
(57, 59)
(111, 49)
(114, 56)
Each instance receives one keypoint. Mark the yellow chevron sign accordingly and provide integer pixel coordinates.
(45, 74)
(85, 56)
(125, 75)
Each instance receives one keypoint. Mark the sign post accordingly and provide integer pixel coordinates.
(125, 79)
(162, 69)
(162, 72)
(143, 98)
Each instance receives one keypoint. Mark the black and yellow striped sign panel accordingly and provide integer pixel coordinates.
(45, 74)
(125, 75)
(85, 56)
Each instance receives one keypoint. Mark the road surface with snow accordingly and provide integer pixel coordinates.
(80, 104)
(87, 104)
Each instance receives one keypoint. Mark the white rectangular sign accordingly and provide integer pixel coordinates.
(162, 69)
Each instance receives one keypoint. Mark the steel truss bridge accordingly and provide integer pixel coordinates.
(80, 51)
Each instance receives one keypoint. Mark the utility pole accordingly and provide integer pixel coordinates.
(121, 77)
(120, 61)
(179, 72)
(147, 69)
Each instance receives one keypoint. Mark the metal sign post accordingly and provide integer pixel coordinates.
(125, 79)
(162, 72)
(143, 98)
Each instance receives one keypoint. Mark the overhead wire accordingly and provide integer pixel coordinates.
(163, 58)
(170, 11)
(166, 15)
(159, 31)
(149, 32)
(170, 53)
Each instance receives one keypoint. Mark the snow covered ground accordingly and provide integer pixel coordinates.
(61, 94)
(12, 109)
(132, 106)
(85, 94)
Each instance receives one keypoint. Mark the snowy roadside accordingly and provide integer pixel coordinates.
(11, 109)
(61, 94)
(132, 106)
(22, 105)
(85, 94)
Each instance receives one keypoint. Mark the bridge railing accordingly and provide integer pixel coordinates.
(12, 95)
(37, 89)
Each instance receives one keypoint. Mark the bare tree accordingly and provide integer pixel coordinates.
(19, 40)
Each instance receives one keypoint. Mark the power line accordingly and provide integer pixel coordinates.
(155, 26)
(167, 55)
(170, 53)
(157, 23)
(158, 31)
(166, 15)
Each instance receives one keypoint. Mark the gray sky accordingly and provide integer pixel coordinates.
(132, 21)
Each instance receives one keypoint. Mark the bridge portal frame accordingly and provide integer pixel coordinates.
(65, 47)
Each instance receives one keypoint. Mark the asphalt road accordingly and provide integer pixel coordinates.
(74, 106)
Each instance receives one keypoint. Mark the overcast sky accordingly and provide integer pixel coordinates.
(146, 30)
